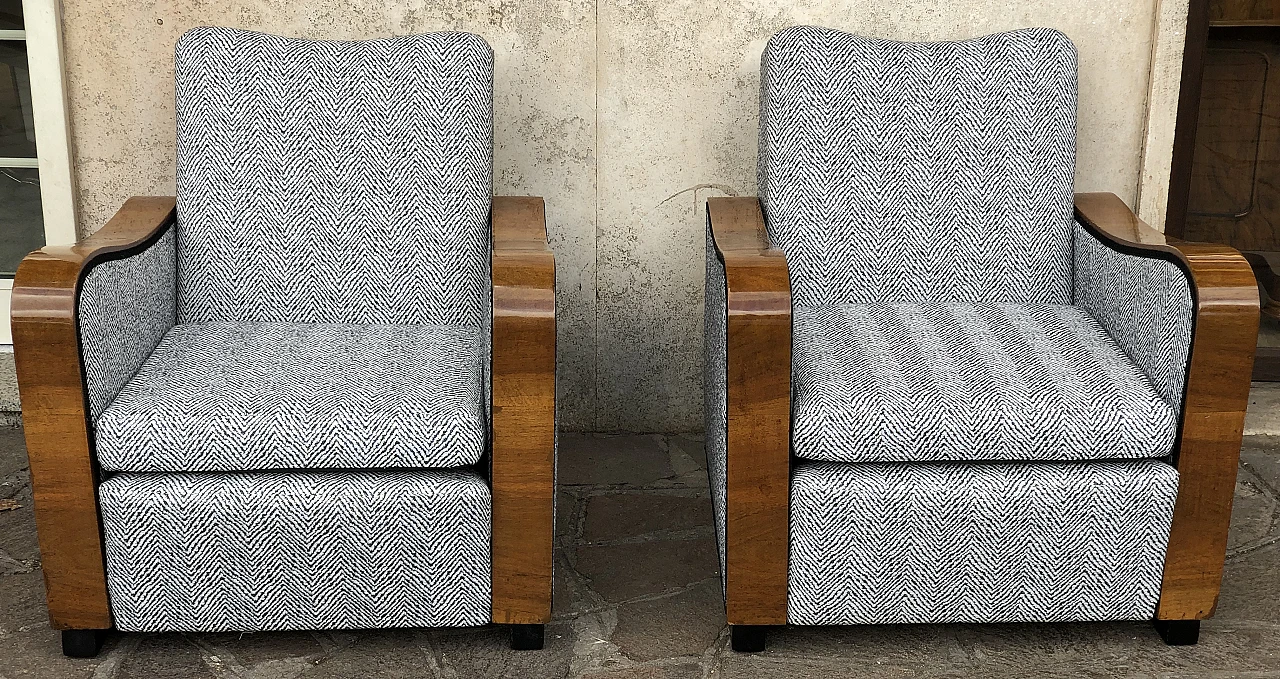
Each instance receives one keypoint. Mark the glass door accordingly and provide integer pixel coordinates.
(36, 187)
(21, 218)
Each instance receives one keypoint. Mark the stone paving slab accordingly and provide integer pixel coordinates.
(1263, 416)
(638, 597)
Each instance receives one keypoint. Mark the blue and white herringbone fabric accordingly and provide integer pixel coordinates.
(911, 172)
(932, 382)
(334, 182)
(126, 306)
(1144, 303)
(715, 382)
(1024, 542)
(254, 396)
(280, 551)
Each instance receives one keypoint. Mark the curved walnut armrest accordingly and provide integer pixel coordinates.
(758, 354)
(55, 413)
(524, 408)
(1225, 295)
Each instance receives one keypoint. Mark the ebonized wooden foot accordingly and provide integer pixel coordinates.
(526, 637)
(747, 638)
(82, 643)
(1179, 632)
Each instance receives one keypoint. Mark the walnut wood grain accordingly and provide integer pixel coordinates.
(46, 349)
(522, 470)
(1217, 394)
(757, 521)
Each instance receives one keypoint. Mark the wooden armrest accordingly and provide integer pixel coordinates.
(1108, 218)
(55, 414)
(136, 223)
(1225, 295)
(522, 475)
(758, 353)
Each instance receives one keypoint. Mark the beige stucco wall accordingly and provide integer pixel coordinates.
(625, 115)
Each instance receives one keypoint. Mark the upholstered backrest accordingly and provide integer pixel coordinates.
(340, 182)
(910, 172)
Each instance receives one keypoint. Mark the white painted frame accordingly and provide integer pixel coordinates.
(42, 21)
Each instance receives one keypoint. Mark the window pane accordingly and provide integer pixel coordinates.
(10, 15)
(21, 222)
(17, 129)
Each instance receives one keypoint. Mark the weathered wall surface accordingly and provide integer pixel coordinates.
(625, 115)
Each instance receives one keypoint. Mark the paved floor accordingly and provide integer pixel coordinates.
(638, 596)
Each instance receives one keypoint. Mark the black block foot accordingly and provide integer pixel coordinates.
(747, 638)
(82, 643)
(526, 637)
(1179, 632)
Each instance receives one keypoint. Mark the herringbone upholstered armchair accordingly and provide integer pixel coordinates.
(319, 391)
(935, 391)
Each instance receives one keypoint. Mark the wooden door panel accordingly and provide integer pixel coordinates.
(1235, 184)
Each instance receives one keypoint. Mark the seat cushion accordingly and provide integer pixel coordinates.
(280, 550)
(256, 396)
(929, 382)
(961, 542)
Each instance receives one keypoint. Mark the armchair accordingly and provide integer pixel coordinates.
(938, 391)
(317, 389)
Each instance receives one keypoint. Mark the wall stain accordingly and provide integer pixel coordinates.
(722, 188)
